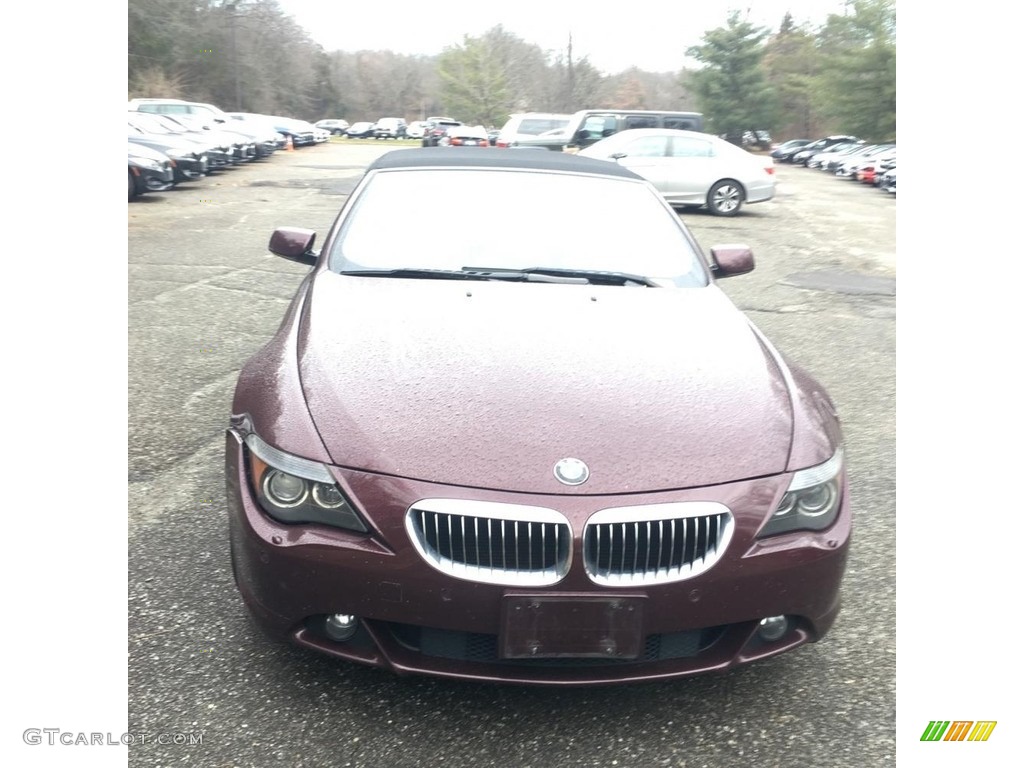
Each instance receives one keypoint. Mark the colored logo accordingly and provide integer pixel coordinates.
(958, 730)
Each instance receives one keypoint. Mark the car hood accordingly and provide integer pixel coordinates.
(164, 143)
(142, 150)
(489, 384)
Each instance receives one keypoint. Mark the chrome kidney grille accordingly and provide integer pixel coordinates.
(491, 542)
(655, 544)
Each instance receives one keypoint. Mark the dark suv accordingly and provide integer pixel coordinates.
(591, 125)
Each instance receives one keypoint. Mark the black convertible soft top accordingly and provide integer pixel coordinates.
(478, 157)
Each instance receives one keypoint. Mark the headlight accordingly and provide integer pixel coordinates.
(145, 162)
(295, 490)
(811, 502)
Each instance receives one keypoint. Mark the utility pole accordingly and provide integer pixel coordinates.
(571, 96)
(233, 8)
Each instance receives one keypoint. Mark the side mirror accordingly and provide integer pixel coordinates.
(294, 244)
(731, 260)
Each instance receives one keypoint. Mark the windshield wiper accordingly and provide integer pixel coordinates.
(516, 275)
(527, 275)
(435, 274)
(592, 276)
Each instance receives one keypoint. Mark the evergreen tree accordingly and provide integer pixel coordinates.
(791, 61)
(731, 88)
(857, 81)
(487, 78)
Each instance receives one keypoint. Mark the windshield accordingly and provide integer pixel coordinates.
(514, 219)
(191, 121)
(538, 126)
(150, 124)
(173, 123)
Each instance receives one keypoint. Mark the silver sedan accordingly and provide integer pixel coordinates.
(690, 168)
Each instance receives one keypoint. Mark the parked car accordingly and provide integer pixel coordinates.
(242, 144)
(589, 126)
(757, 140)
(251, 121)
(302, 134)
(565, 500)
(390, 128)
(257, 126)
(691, 168)
(886, 162)
(191, 160)
(849, 168)
(465, 136)
(831, 162)
(166, 133)
(203, 116)
(416, 129)
(888, 183)
(148, 171)
(836, 153)
(176, 107)
(336, 127)
(361, 130)
(438, 129)
(785, 151)
(868, 170)
(801, 156)
(267, 139)
(535, 129)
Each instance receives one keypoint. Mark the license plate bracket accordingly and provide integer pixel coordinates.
(559, 626)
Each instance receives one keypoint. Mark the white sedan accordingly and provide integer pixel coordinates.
(417, 128)
(691, 168)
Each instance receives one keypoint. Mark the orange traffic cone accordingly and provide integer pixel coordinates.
(288, 143)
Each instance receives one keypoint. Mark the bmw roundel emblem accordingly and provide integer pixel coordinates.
(571, 472)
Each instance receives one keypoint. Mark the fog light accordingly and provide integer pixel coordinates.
(341, 626)
(772, 628)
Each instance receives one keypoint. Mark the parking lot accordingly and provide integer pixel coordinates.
(204, 294)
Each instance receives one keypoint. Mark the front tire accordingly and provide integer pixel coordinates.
(132, 192)
(725, 198)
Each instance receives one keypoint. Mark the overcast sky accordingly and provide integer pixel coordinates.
(650, 34)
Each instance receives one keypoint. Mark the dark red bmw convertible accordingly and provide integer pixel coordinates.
(524, 437)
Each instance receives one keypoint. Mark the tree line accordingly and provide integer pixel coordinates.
(248, 55)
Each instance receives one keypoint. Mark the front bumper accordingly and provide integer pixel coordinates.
(153, 179)
(266, 148)
(191, 167)
(413, 618)
(219, 158)
(243, 153)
